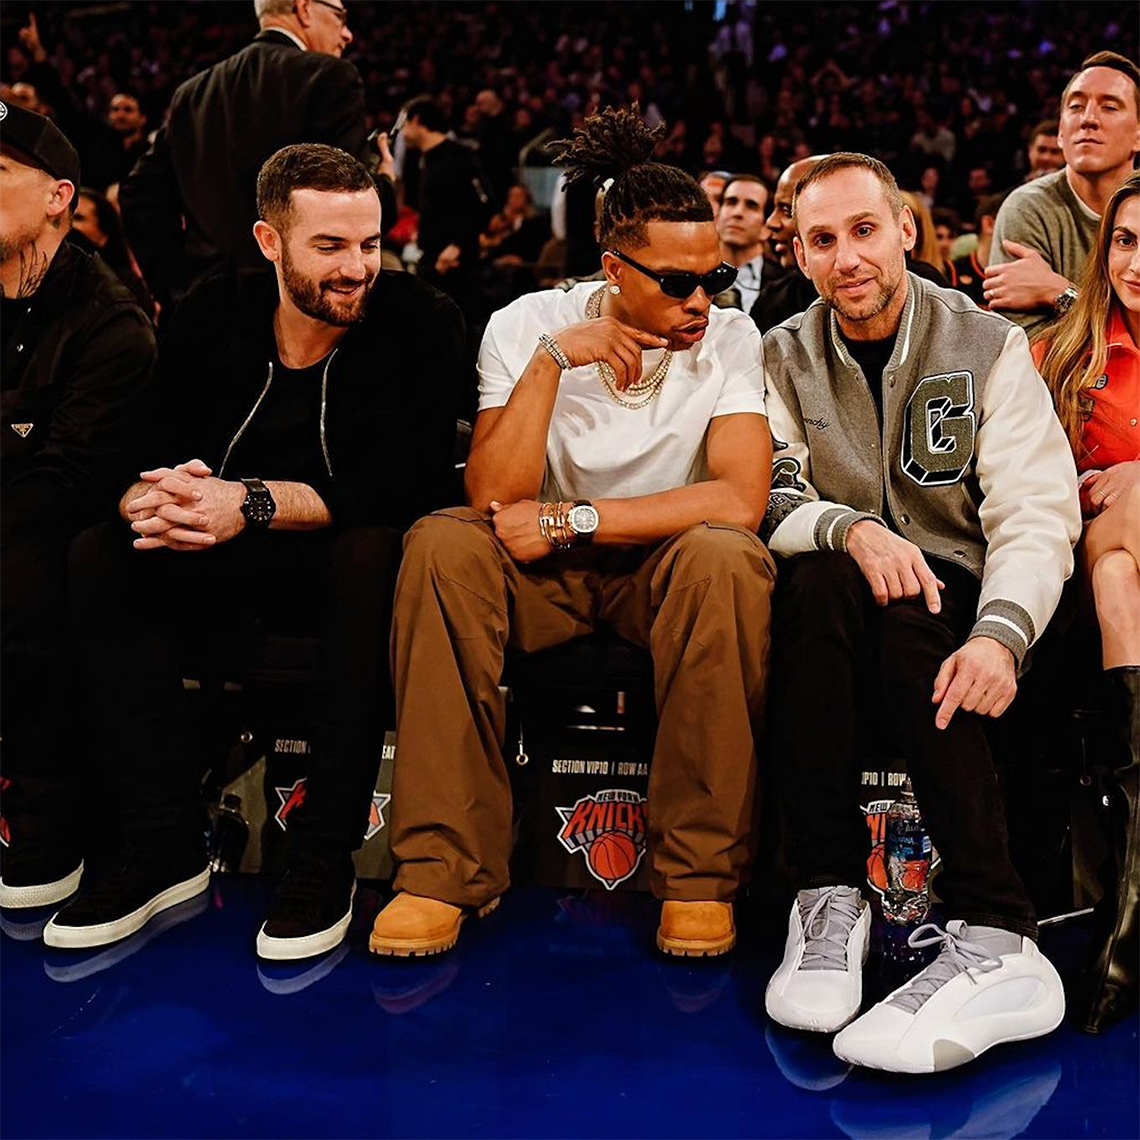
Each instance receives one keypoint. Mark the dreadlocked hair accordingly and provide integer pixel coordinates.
(617, 144)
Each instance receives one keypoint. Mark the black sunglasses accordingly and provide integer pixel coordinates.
(682, 285)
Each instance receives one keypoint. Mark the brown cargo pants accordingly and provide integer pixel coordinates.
(699, 601)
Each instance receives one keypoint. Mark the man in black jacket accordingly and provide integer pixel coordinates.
(77, 352)
(288, 86)
(454, 203)
(302, 421)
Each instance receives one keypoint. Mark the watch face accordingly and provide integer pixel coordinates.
(583, 520)
(259, 507)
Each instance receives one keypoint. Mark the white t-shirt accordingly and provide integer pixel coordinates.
(598, 449)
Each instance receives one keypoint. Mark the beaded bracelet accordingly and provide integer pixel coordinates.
(555, 349)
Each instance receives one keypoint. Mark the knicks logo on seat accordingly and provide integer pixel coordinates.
(607, 827)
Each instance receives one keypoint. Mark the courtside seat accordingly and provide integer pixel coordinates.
(598, 659)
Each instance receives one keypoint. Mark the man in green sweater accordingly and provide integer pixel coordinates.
(1046, 228)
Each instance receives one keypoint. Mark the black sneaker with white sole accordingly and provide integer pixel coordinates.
(313, 907)
(137, 882)
(37, 873)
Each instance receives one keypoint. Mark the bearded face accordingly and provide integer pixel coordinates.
(329, 253)
(337, 299)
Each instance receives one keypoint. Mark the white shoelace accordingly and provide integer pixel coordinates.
(957, 956)
(827, 924)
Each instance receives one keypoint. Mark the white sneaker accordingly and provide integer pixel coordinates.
(819, 985)
(967, 1000)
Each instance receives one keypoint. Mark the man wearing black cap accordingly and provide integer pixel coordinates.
(77, 351)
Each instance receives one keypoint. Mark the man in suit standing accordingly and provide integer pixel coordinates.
(189, 205)
(743, 232)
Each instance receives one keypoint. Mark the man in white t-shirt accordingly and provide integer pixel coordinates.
(617, 475)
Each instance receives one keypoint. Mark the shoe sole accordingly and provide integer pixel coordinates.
(423, 947)
(310, 945)
(40, 894)
(74, 970)
(84, 937)
(956, 1054)
(695, 947)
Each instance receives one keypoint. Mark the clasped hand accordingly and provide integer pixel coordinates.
(186, 508)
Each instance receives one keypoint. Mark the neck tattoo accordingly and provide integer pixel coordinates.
(34, 264)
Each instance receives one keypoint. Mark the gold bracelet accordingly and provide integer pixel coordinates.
(566, 535)
(552, 523)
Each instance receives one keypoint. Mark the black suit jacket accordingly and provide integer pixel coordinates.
(223, 124)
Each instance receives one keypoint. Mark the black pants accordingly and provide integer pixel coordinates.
(829, 638)
(42, 739)
(134, 613)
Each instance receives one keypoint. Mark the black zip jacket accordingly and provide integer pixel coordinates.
(77, 356)
(390, 393)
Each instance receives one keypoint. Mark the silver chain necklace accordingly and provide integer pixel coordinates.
(645, 390)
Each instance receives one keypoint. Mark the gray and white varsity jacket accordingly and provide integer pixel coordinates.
(974, 464)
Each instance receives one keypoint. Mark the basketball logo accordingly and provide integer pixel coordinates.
(609, 829)
(876, 815)
(612, 856)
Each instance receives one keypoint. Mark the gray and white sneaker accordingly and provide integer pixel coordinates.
(987, 986)
(819, 984)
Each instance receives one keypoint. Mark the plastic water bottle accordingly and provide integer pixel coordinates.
(228, 836)
(907, 898)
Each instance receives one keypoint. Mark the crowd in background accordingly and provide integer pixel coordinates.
(952, 89)
(959, 101)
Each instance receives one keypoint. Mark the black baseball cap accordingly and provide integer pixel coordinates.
(41, 140)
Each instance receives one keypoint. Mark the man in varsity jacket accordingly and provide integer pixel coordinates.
(925, 505)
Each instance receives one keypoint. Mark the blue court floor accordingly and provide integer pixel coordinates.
(554, 1017)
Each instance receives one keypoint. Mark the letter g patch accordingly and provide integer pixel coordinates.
(938, 429)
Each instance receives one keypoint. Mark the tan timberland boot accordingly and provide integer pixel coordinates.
(412, 925)
(696, 929)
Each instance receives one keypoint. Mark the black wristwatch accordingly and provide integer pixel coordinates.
(259, 506)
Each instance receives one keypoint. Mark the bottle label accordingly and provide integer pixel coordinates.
(908, 858)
